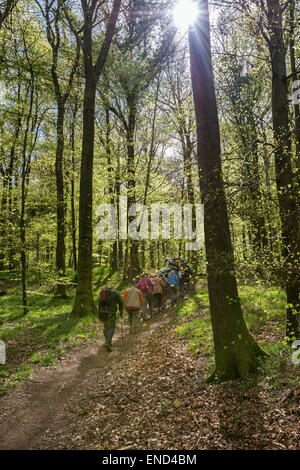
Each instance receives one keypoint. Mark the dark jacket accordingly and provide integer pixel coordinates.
(109, 307)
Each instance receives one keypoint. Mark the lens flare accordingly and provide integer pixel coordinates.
(185, 13)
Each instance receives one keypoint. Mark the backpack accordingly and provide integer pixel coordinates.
(144, 286)
(105, 296)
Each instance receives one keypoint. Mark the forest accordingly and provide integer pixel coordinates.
(141, 140)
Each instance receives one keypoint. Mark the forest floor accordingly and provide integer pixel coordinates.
(150, 393)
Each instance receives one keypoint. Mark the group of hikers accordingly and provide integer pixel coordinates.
(148, 294)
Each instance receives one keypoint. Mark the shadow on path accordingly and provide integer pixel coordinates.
(30, 409)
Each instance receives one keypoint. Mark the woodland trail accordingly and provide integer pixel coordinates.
(28, 412)
(149, 393)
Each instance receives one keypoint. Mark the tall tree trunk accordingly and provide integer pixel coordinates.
(24, 178)
(252, 182)
(3, 223)
(114, 248)
(149, 164)
(289, 212)
(84, 301)
(236, 351)
(294, 77)
(52, 13)
(6, 232)
(126, 257)
(61, 288)
(118, 194)
(23, 242)
(73, 216)
(133, 268)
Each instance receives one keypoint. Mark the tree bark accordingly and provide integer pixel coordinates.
(84, 301)
(133, 267)
(73, 216)
(294, 77)
(24, 179)
(236, 351)
(114, 248)
(289, 211)
(61, 288)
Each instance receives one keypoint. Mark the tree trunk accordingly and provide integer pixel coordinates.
(118, 193)
(3, 223)
(236, 351)
(294, 77)
(133, 268)
(84, 301)
(24, 178)
(61, 288)
(73, 216)
(289, 212)
(114, 248)
(6, 232)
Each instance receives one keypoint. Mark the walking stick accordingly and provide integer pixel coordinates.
(122, 331)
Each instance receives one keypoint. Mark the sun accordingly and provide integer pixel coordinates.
(185, 13)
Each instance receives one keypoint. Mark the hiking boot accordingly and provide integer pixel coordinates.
(108, 347)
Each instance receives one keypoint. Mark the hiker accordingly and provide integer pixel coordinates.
(187, 275)
(181, 277)
(146, 285)
(173, 282)
(158, 291)
(133, 301)
(176, 262)
(109, 301)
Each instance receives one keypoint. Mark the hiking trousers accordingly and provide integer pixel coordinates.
(132, 318)
(173, 294)
(157, 300)
(147, 301)
(109, 329)
(181, 281)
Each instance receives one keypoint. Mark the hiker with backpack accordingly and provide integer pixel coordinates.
(109, 301)
(174, 285)
(146, 285)
(158, 292)
(133, 301)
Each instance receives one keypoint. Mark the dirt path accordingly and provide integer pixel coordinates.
(31, 409)
(149, 393)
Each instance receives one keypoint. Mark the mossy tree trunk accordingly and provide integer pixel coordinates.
(288, 208)
(236, 352)
(84, 301)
